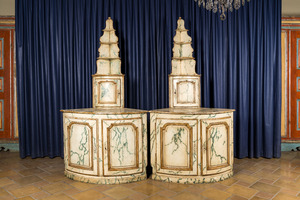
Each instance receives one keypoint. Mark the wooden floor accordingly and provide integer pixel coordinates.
(43, 178)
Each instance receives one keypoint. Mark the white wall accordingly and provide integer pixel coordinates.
(289, 7)
(7, 7)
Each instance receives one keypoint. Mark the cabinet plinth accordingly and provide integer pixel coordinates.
(105, 146)
(191, 145)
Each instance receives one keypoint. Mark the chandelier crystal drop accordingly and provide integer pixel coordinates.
(221, 5)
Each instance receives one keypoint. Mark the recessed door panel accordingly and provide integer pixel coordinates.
(122, 142)
(81, 145)
(184, 91)
(108, 91)
(216, 145)
(177, 146)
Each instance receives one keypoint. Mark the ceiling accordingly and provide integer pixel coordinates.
(289, 7)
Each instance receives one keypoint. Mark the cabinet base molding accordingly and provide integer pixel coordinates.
(105, 180)
(192, 179)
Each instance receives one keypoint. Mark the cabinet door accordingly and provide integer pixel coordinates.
(185, 91)
(108, 91)
(217, 145)
(176, 146)
(122, 142)
(81, 144)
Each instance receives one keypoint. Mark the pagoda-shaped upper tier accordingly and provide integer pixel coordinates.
(183, 62)
(184, 83)
(108, 82)
(109, 62)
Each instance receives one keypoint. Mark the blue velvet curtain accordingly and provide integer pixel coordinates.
(239, 59)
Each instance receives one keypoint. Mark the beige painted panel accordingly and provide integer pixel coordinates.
(184, 91)
(217, 145)
(176, 146)
(123, 146)
(108, 91)
(80, 144)
(123, 140)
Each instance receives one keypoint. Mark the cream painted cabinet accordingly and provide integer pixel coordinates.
(191, 145)
(106, 146)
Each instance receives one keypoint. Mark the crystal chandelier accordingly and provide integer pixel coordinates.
(221, 5)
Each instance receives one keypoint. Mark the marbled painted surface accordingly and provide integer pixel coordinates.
(176, 145)
(188, 112)
(184, 91)
(105, 147)
(182, 49)
(191, 179)
(108, 91)
(183, 67)
(80, 146)
(105, 111)
(123, 146)
(211, 150)
(183, 62)
(106, 180)
(217, 143)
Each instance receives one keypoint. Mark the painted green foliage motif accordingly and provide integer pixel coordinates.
(83, 147)
(120, 146)
(176, 140)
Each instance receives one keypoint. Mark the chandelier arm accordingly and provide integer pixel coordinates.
(222, 5)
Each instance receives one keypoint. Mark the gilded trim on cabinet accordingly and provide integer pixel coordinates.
(190, 163)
